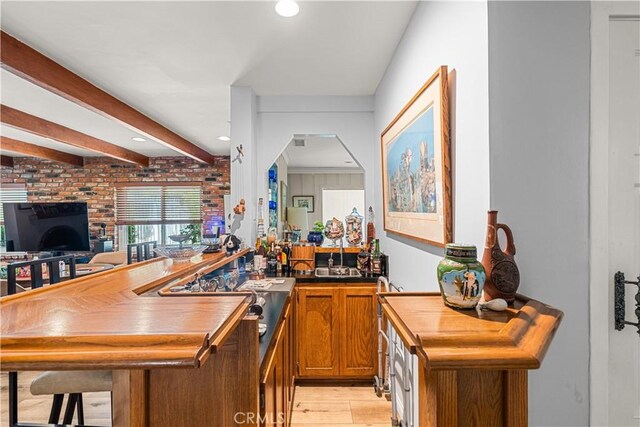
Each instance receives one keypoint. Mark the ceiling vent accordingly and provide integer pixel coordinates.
(299, 143)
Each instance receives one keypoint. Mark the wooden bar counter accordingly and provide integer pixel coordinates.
(112, 321)
(473, 364)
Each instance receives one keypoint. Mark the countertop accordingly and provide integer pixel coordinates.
(312, 278)
(104, 321)
(277, 296)
(445, 338)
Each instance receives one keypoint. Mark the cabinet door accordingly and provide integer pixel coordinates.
(318, 333)
(358, 332)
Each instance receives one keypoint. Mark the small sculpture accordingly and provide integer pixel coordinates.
(231, 244)
(240, 208)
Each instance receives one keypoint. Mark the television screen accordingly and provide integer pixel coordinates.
(46, 226)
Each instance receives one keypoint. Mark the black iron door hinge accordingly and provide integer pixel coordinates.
(619, 309)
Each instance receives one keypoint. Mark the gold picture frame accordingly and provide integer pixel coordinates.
(416, 166)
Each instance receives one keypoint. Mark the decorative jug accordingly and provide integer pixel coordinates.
(460, 276)
(503, 277)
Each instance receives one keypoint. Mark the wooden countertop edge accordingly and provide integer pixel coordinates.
(525, 346)
(201, 268)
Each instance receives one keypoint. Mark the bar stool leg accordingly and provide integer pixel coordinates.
(71, 406)
(80, 409)
(56, 409)
(13, 398)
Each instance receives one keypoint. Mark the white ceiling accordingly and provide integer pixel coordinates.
(175, 61)
(319, 152)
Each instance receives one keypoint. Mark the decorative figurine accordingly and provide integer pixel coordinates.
(231, 244)
(354, 228)
(240, 208)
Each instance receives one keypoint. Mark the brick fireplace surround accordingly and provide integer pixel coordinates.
(95, 182)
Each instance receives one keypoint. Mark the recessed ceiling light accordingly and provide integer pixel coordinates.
(287, 8)
(138, 139)
(224, 138)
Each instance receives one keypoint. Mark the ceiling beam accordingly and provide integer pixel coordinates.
(6, 161)
(21, 147)
(29, 64)
(46, 129)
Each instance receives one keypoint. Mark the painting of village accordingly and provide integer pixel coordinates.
(411, 174)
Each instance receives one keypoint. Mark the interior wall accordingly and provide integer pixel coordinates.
(312, 184)
(279, 118)
(539, 126)
(452, 34)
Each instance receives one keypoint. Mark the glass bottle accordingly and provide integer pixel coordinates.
(272, 263)
(371, 228)
(363, 259)
(353, 223)
(286, 266)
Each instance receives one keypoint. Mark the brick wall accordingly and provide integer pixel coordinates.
(94, 183)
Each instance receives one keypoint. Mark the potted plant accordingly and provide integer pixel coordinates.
(315, 235)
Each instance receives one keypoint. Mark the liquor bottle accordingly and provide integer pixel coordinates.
(272, 262)
(363, 259)
(286, 262)
(371, 228)
(376, 266)
(278, 259)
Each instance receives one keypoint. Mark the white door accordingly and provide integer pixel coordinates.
(624, 214)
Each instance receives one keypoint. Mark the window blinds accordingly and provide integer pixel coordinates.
(178, 203)
(11, 193)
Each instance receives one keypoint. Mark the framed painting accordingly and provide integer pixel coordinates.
(303, 202)
(416, 166)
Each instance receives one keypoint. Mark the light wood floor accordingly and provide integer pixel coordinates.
(314, 405)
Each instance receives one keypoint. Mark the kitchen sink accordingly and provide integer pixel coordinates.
(337, 272)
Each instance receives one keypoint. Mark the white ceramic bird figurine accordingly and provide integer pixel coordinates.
(497, 304)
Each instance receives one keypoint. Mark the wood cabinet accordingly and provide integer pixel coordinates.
(336, 334)
(276, 383)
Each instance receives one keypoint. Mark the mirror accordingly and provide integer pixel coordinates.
(316, 173)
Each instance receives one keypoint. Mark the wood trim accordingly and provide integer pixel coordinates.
(21, 147)
(6, 161)
(130, 397)
(29, 64)
(44, 128)
(442, 74)
(516, 398)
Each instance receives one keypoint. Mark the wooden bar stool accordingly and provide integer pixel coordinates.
(73, 383)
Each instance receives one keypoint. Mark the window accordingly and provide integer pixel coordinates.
(340, 202)
(10, 193)
(151, 212)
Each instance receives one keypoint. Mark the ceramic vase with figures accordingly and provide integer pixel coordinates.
(461, 276)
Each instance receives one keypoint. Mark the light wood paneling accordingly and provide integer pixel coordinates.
(301, 184)
(31, 65)
(15, 146)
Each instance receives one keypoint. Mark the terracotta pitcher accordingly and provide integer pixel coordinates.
(503, 277)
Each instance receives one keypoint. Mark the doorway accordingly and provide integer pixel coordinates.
(614, 210)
